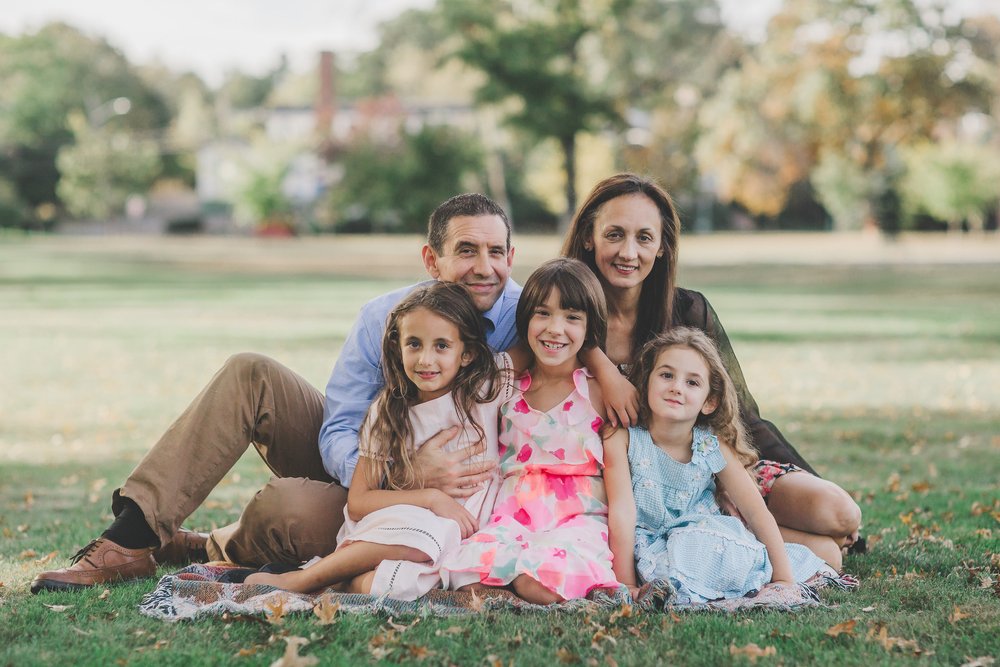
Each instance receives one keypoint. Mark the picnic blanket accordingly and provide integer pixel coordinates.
(197, 591)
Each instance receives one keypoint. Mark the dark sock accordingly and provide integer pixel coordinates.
(130, 529)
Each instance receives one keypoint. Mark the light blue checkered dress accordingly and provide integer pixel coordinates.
(683, 537)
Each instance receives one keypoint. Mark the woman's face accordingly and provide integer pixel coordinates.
(627, 240)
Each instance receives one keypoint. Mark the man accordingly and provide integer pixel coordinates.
(253, 399)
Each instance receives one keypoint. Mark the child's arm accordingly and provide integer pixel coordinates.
(735, 481)
(621, 506)
(621, 399)
(365, 497)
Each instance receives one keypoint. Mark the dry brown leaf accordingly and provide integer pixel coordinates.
(399, 627)
(326, 610)
(493, 661)
(978, 508)
(59, 608)
(871, 608)
(46, 558)
(567, 657)
(418, 652)
(610, 661)
(275, 609)
(475, 602)
(982, 661)
(957, 615)
(452, 630)
(29, 499)
(291, 658)
(984, 533)
(602, 636)
(752, 651)
(921, 487)
(247, 652)
(845, 628)
(624, 611)
(28, 553)
(105, 594)
(892, 484)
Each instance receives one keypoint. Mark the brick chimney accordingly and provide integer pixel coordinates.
(326, 96)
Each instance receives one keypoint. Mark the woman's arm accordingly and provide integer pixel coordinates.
(621, 506)
(365, 496)
(735, 480)
(621, 399)
(694, 310)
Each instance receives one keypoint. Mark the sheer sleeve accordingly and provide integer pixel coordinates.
(693, 309)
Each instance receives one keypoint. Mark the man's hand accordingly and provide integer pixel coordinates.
(447, 507)
(621, 400)
(454, 473)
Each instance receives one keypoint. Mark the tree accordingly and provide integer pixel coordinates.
(103, 166)
(536, 61)
(845, 81)
(393, 187)
(47, 75)
(952, 181)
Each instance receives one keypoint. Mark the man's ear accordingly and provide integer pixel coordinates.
(710, 405)
(430, 261)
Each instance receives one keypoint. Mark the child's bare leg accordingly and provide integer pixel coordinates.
(475, 588)
(534, 592)
(342, 565)
(361, 583)
(823, 546)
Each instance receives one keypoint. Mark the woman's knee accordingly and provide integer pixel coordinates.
(247, 363)
(841, 514)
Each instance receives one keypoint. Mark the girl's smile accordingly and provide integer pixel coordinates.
(679, 386)
(556, 334)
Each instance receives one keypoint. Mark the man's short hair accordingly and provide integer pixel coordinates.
(470, 204)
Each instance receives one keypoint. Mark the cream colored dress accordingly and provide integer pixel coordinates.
(417, 527)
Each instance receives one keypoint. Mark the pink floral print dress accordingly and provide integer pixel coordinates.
(550, 520)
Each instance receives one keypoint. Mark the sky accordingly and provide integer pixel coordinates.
(211, 37)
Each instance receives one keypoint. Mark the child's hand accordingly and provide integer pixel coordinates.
(448, 508)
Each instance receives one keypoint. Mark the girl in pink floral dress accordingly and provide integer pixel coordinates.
(551, 535)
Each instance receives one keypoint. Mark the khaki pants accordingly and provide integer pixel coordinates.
(251, 400)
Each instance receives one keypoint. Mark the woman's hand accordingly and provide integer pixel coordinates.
(447, 507)
(454, 473)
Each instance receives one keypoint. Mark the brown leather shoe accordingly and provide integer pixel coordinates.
(186, 547)
(100, 562)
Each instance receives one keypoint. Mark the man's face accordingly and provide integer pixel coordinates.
(475, 254)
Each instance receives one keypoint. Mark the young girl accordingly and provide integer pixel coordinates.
(690, 437)
(549, 535)
(439, 371)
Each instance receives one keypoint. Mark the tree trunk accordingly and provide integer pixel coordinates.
(569, 164)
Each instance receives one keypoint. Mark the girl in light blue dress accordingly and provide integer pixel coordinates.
(691, 438)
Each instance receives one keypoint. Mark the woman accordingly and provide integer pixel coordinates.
(627, 232)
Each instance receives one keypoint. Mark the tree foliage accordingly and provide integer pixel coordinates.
(395, 186)
(952, 181)
(46, 76)
(844, 82)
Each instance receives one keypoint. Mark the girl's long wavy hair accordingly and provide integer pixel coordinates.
(656, 300)
(387, 423)
(725, 420)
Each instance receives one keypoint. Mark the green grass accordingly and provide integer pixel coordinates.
(886, 377)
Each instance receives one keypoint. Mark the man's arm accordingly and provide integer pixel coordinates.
(353, 385)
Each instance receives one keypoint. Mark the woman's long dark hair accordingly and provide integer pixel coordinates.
(387, 424)
(656, 300)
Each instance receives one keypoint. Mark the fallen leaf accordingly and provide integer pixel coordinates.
(983, 661)
(567, 657)
(624, 611)
(872, 608)
(399, 627)
(845, 628)
(246, 652)
(81, 632)
(602, 636)
(29, 499)
(291, 658)
(275, 609)
(921, 487)
(46, 558)
(326, 610)
(450, 630)
(105, 595)
(28, 553)
(892, 484)
(59, 608)
(476, 602)
(752, 651)
(418, 652)
(957, 615)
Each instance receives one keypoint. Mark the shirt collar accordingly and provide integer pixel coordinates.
(493, 315)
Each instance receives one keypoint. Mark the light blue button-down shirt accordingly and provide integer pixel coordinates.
(357, 376)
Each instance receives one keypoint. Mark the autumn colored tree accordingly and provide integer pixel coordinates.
(842, 85)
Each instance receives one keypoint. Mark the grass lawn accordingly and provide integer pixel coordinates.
(886, 376)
